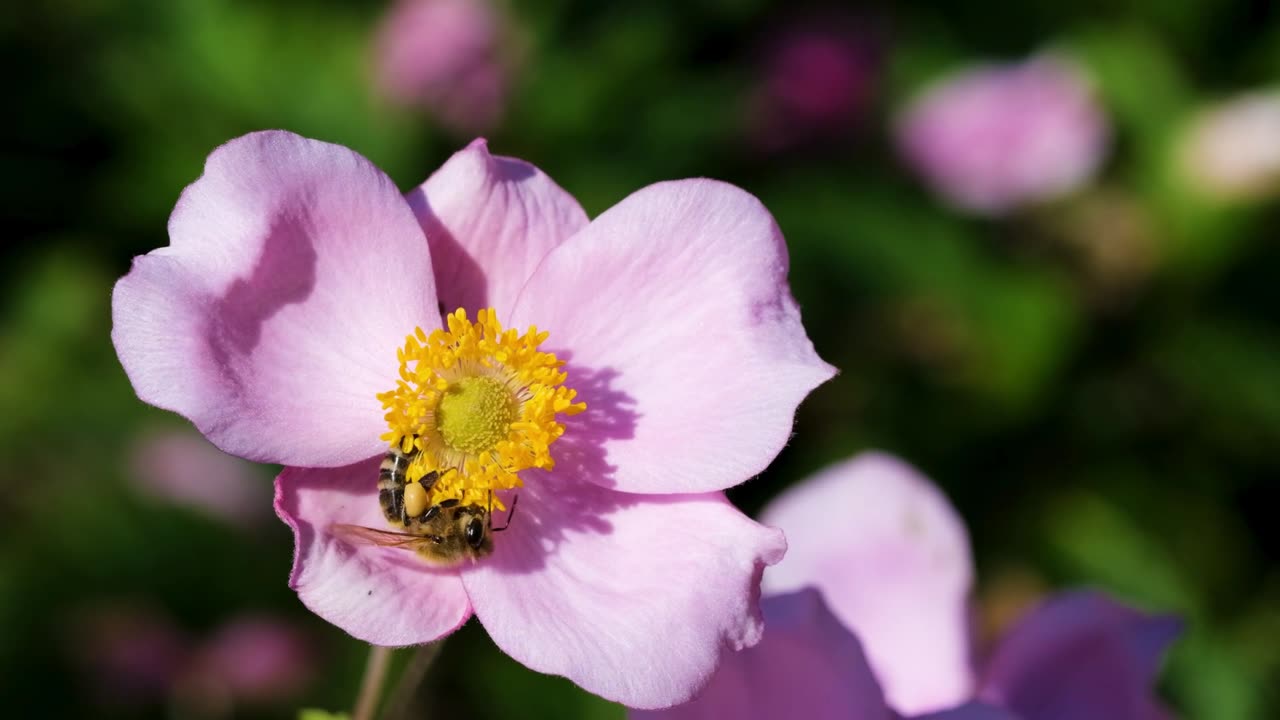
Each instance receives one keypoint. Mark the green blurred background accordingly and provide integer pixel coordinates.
(1117, 428)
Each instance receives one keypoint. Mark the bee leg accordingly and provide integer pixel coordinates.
(430, 513)
(435, 539)
(428, 481)
(510, 514)
(449, 503)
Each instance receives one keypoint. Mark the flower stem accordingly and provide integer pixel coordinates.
(401, 704)
(375, 672)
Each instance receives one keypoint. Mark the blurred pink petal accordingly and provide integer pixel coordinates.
(182, 468)
(295, 269)
(489, 221)
(591, 583)
(445, 56)
(807, 665)
(993, 137)
(128, 653)
(891, 556)
(691, 322)
(259, 658)
(383, 596)
(1232, 150)
(1080, 656)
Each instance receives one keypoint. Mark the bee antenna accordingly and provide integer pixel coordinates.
(510, 514)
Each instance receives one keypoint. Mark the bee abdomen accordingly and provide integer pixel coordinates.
(394, 464)
(391, 481)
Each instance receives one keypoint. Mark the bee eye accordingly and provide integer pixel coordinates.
(475, 533)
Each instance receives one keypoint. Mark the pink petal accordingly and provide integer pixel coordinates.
(807, 665)
(384, 596)
(272, 319)
(1080, 656)
(490, 220)
(633, 597)
(682, 337)
(892, 558)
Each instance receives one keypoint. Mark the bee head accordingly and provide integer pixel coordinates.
(474, 531)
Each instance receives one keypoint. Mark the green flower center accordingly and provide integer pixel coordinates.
(475, 414)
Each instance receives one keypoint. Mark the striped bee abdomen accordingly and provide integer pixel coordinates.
(391, 481)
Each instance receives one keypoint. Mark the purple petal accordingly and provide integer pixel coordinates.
(1080, 656)
(806, 665)
(272, 320)
(892, 558)
(681, 335)
(633, 597)
(970, 711)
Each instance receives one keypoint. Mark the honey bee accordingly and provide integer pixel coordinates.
(443, 534)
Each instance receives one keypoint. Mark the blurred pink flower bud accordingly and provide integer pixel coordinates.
(444, 56)
(1232, 150)
(991, 138)
(258, 658)
(816, 81)
(128, 653)
(182, 468)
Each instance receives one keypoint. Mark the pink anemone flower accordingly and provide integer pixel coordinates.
(258, 658)
(877, 544)
(295, 318)
(992, 138)
(446, 56)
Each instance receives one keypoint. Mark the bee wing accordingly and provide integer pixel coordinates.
(360, 535)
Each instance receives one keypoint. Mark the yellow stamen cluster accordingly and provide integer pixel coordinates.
(479, 404)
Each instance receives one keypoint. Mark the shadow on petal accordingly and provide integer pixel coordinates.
(460, 281)
(285, 274)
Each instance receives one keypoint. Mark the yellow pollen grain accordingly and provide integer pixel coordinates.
(479, 404)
